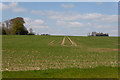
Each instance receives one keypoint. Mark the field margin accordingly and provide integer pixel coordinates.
(0, 57)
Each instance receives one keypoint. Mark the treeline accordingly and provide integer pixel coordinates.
(15, 26)
(98, 34)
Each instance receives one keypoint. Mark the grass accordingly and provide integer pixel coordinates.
(65, 73)
(67, 42)
(32, 56)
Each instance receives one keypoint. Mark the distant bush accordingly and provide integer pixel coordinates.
(45, 34)
(98, 34)
(31, 34)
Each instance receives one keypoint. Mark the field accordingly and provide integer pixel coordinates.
(59, 57)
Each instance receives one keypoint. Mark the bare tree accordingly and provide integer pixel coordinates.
(31, 30)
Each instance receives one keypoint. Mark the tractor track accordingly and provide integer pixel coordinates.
(73, 43)
(51, 43)
(63, 42)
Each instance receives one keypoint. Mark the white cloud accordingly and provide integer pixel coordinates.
(0, 6)
(67, 6)
(37, 12)
(19, 9)
(9, 6)
(71, 24)
(103, 26)
(91, 16)
(70, 16)
(108, 19)
(114, 32)
(99, 3)
(5, 7)
(97, 17)
(71, 20)
(13, 6)
(39, 26)
(65, 17)
(27, 19)
(37, 23)
(47, 12)
(57, 15)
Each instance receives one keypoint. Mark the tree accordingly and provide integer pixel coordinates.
(7, 23)
(17, 18)
(3, 30)
(14, 26)
(7, 26)
(31, 32)
(18, 28)
(0, 29)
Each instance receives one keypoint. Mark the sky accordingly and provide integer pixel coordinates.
(65, 18)
(60, 0)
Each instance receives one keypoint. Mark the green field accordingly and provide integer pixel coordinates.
(44, 57)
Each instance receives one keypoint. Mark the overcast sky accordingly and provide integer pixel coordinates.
(74, 18)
